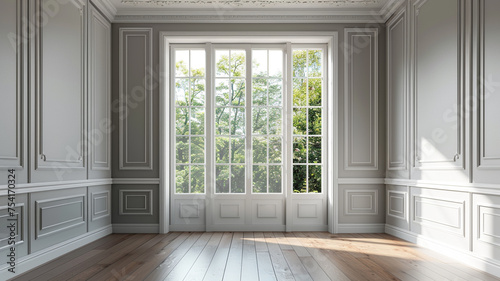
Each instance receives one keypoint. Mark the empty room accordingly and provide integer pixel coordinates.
(249, 140)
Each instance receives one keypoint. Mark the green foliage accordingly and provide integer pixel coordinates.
(230, 122)
(307, 120)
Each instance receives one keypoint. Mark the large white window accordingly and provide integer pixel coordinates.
(252, 115)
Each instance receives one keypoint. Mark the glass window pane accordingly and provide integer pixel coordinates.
(275, 92)
(237, 92)
(299, 92)
(237, 179)
(181, 92)
(315, 91)
(275, 150)
(182, 179)
(238, 63)
(259, 91)
(182, 63)
(222, 179)
(197, 179)
(182, 121)
(299, 63)
(275, 121)
(314, 149)
(275, 63)
(299, 121)
(314, 121)
(299, 150)
(237, 121)
(222, 63)
(315, 63)
(300, 178)
(222, 121)
(315, 178)
(259, 150)
(259, 178)
(182, 147)
(197, 92)
(259, 121)
(197, 121)
(237, 150)
(198, 63)
(197, 150)
(222, 150)
(275, 179)
(259, 63)
(222, 95)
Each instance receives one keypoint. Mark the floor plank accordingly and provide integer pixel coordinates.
(214, 256)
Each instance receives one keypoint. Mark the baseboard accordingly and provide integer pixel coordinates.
(136, 228)
(361, 228)
(465, 257)
(31, 261)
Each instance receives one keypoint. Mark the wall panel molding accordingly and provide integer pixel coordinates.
(59, 143)
(58, 214)
(361, 202)
(103, 199)
(361, 99)
(136, 202)
(488, 131)
(13, 106)
(397, 204)
(397, 92)
(99, 136)
(439, 126)
(136, 99)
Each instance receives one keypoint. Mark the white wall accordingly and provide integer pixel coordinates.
(443, 172)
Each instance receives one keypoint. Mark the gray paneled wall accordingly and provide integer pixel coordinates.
(446, 196)
(361, 88)
(63, 194)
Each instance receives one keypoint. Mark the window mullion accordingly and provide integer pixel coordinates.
(248, 121)
(209, 120)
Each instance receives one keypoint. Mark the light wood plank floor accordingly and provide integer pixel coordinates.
(253, 256)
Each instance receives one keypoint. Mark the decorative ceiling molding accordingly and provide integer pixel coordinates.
(239, 18)
(303, 11)
(253, 3)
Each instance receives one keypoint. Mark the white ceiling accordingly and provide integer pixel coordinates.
(248, 10)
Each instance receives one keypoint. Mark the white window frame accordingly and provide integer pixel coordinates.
(331, 103)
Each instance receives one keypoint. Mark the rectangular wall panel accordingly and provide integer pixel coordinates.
(135, 203)
(57, 216)
(58, 91)
(136, 99)
(100, 127)
(99, 206)
(20, 230)
(397, 113)
(438, 88)
(486, 226)
(13, 128)
(398, 207)
(11, 79)
(441, 215)
(361, 203)
(487, 132)
(361, 99)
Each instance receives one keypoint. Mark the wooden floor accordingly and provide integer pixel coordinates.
(253, 256)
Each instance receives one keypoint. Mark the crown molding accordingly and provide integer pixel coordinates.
(239, 17)
(175, 15)
(106, 8)
(390, 8)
